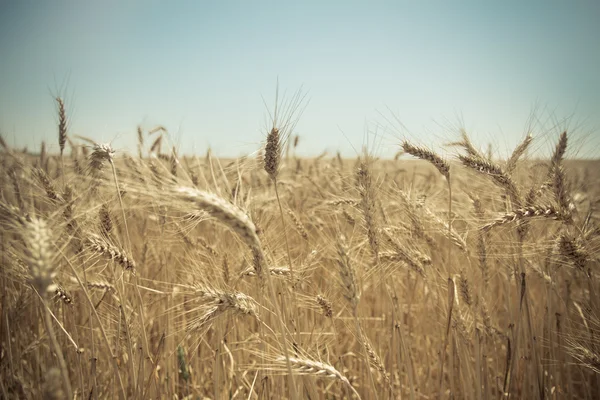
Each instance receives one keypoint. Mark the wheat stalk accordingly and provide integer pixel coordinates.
(546, 211)
(111, 251)
(325, 305)
(368, 207)
(305, 366)
(425, 154)
(220, 302)
(500, 177)
(140, 138)
(62, 125)
(511, 164)
(39, 256)
(48, 186)
(299, 225)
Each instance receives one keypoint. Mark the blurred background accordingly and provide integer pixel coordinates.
(373, 73)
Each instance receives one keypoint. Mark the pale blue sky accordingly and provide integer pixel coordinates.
(200, 69)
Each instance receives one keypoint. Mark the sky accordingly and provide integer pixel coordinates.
(374, 73)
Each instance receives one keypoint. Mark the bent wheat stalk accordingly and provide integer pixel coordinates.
(239, 222)
(305, 366)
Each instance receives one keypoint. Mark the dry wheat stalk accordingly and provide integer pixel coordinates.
(486, 319)
(325, 305)
(465, 289)
(140, 137)
(225, 264)
(43, 157)
(38, 255)
(158, 128)
(482, 256)
(588, 357)
(223, 211)
(517, 153)
(466, 143)
(274, 271)
(12, 216)
(349, 202)
(403, 255)
(63, 295)
(368, 206)
(222, 301)
(211, 250)
(559, 151)
(347, 273)
(519, 214)
(12, 173)
(305, 366)
(276, 142)
(72, 225)
(496, 173)
(417, 227)
(349, 218)
(174, 161)
(559, 185)
(481, 242)
(460, 327)
(100, 285)
(156, 146)
(48, 186)
(196, 216)
(62, 125)
(272, 153)
(403, 258)
(555, 162)
(546, 252)
(105, 219)
(425, 154)
(375, 360)
(574, 251)
(100, 154)
(299, 225)
(448, 231)
(101, 246)
(236, 220)
(284, 118)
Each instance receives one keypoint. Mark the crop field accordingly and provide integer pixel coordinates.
(157, 276)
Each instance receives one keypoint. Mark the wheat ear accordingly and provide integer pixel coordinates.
(525, 213)
(234, 218)
(39, 255)
(500, 177)
(305, 366)
(425, 154)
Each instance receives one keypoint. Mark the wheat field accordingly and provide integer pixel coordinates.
(159, 276)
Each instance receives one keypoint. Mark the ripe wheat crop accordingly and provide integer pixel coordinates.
(166, 276)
